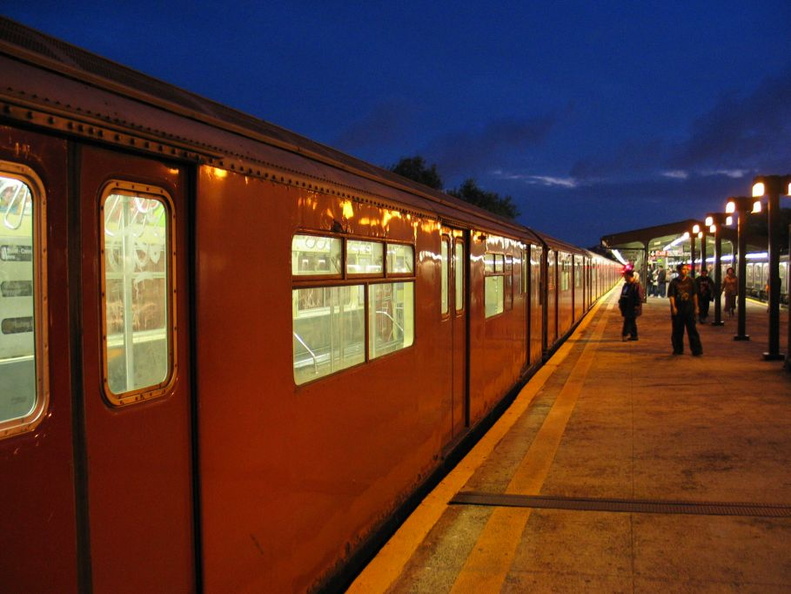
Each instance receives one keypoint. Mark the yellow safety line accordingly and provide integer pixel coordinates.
(389, 563)
(489, 562)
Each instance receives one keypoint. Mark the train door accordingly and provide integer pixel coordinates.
(454, 312)
(38, 548)
(136, 374)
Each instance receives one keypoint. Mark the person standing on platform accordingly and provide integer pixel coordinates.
(705, 286)
(630, 304)
(651, 282)
(730, 287)
(661, 281)
(683, 295)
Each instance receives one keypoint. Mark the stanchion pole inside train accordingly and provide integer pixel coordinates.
(741, 205)
(714, 222)
(771, 186)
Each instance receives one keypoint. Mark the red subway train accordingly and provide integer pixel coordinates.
(230, 356)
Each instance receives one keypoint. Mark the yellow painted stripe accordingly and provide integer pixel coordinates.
(389, 563)
(490, 560)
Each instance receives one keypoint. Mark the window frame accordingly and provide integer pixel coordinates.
(29, 422)
(353, 279)
(494, 265)
(170, 253)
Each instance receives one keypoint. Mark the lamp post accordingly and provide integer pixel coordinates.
(703, 246)
(692, 235)
(772, 186)
(714, 222)
(741, 205)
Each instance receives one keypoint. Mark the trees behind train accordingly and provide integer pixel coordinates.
(491, 201)
(416, 169)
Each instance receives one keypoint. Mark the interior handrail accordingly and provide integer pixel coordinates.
(310, 352)
(392, 319)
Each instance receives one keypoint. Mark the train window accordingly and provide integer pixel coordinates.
(23, 383)
(137, 284)
(444, 275)
(400, 259)
(329, 330)
(494, 284)
(458, 266)
(391, 317)
(316, 256)
(331, 318)
(494, 296)
(494, 263)
(364, 257)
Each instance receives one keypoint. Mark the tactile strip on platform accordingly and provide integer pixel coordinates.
(703, 508)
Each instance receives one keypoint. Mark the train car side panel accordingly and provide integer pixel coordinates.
(286, 493)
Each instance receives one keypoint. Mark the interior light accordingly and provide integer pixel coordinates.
(759, 189)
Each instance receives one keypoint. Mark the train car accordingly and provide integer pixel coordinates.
(757, 276)
(757, 272)
(231, 358)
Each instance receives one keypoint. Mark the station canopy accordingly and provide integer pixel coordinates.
(665, 244)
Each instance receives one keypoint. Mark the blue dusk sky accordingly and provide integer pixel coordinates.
(595, 116)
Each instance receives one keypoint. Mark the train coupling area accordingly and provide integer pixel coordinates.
(618, 468)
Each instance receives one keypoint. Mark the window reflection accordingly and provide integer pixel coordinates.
(400, 259)
(313, 256)
(391, 317)
(18, 394)
(329, 330)
(136, 288)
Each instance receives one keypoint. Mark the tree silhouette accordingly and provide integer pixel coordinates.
(491, 201)
(415, 168)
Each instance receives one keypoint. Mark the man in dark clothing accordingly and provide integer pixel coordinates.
(705, 285)
(661, 280)
(630, 304)
(683, 296)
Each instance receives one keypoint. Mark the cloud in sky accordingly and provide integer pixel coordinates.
(742, 130)
(385, 124)
(468, 152)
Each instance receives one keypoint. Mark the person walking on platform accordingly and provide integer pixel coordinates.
(661, 281)
(705, 285)
(683, 295)
(730, 287)
(630, 304)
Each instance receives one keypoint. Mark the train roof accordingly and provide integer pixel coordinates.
(82, 94)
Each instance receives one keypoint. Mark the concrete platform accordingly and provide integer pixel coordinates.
(657, 473)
